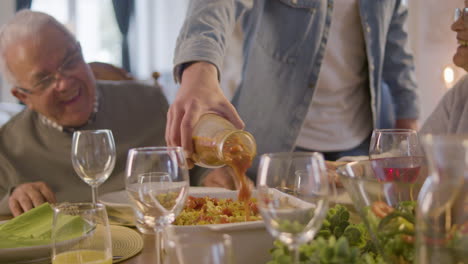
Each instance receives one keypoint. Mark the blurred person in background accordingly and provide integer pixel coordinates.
(451, 114)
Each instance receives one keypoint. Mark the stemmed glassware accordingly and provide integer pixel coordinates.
(442, 214)
(157, 182)
(395, 154)
(293, 195)
(93, 156)
(81, 234)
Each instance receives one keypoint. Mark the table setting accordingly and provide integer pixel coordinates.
(299, 212)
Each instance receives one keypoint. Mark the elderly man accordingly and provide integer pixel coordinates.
(451, 114)
(43, 61)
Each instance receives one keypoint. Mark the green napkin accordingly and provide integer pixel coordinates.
(34, 228)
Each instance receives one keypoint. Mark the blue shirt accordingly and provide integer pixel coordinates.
(284, 46)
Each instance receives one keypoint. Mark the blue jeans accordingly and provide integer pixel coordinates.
(360, 150)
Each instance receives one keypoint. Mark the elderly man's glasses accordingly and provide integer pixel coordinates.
(463, 14)
(71, 61)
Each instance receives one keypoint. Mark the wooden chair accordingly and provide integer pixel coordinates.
(109, 72)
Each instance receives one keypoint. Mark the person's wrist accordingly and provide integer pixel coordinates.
(198, 68)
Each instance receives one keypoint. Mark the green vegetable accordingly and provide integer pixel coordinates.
(395, 232)
(338, 241)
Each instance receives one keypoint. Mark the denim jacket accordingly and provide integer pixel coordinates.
(284, 48)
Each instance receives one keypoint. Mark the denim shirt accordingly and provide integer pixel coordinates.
(283, 51)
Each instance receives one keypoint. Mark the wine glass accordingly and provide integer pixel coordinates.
(442, 212)
(396, 158)
(93, 156)
(157, 183)
(293, 196)
(395, 154)
(81, 234)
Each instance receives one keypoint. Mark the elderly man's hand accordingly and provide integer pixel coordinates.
(29, 195)
(224, 177)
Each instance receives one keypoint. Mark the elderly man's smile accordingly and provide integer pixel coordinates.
(462, 43)
(71, 97)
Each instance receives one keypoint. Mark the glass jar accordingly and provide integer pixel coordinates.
(442, 214)
(214, 138)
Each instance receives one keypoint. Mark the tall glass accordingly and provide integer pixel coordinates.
(209, 248)
(442, 212)
(93, 157)
(293, 196)
(93, 244)
(157, 182)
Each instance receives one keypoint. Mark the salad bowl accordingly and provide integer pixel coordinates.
(387, 206)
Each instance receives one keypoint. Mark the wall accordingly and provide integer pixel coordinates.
(153, 35)
(7, 8)
(432, 41)
(434, 44)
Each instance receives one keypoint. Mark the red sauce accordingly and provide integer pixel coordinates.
(237, 157)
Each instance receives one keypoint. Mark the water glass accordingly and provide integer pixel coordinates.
(208, 248)
(81, 234)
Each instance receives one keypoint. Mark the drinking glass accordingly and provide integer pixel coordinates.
(387, 209)
(395, 154)
(157, 183)
(293, 196)
(209, 248)
(442, 212)
(81, 234)
(93, 156)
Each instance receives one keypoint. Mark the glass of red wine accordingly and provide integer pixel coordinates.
(395, 155)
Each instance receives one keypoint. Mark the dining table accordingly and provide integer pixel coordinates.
(147, 254)
(249, 246)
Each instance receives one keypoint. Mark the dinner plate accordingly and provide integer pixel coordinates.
(121, 199)
(31, 254)
(221, 193)
(250, 240)
(115, 199)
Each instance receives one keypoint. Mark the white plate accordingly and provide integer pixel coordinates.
(251, 242)
(116, 199)
(221, 194)
(121, 199)
(32, 254)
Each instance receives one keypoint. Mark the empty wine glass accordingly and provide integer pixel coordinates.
(157, 183)
(395, 154)
(293, 196)
(93, 156)
(81, 234)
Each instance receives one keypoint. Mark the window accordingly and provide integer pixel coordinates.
(93, 23)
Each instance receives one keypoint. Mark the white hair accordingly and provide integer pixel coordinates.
(25, 24)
